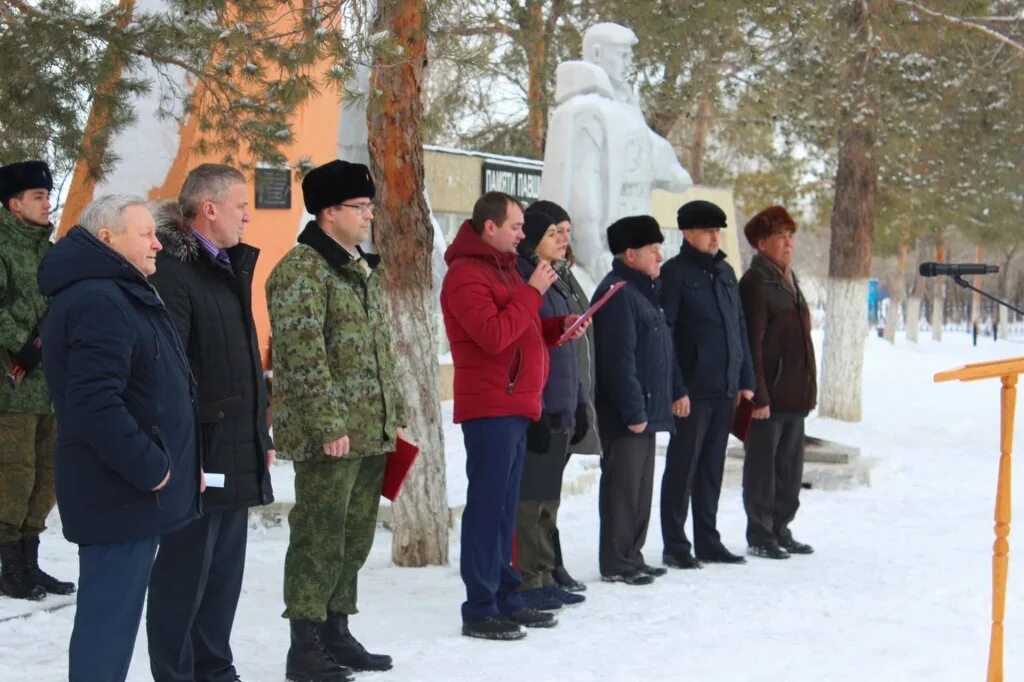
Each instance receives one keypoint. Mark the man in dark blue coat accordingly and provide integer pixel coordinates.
(700, 296)
(638, 391)
(126, 460)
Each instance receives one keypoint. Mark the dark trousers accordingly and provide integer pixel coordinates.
(112, 581)
(624, 503)
(539, 497)
(773, 468)
(193, 594)
(494, 465)
(693, 470)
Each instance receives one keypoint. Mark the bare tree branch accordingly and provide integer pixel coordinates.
(966, 23)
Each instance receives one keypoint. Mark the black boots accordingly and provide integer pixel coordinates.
(15, 581)
(30, 549)
(346, 649)
(308, 661)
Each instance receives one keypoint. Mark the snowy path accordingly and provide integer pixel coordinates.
(897, 590)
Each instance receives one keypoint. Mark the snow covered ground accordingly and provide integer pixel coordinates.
(898, 588)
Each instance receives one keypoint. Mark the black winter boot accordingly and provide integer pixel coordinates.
(30, 547)
(308, 661)
(346, 649)
(14, 579)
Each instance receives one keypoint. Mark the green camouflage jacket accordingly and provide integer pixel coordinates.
(21, 307)
(334, 374)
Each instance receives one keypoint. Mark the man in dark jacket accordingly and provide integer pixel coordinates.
(638, 391)
(787, 386)
(27, 427)
(702, 304)
(204, 275)
(127, 469)
(499, 349)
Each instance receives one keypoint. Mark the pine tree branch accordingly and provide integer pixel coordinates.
(966, 23)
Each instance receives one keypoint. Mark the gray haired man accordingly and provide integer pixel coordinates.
(204, 276)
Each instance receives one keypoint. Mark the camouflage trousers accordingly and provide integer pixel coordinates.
(26, 473)
(332, 526)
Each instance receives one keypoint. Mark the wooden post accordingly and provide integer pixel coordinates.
(1007, 371)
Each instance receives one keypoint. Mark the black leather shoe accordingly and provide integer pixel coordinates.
(532, 618)
(680, 561)
(768, 550)
(566, 581)
(721, 555)
(794, 547)
(653, 571)
(634, 578)
(494, 627)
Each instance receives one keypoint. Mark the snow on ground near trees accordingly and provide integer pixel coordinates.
(898, 589)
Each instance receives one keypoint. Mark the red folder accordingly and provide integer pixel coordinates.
(741, 419)
(589, 312)
(397, 468)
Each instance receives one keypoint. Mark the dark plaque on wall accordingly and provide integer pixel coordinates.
(522, 182)
(273, 188)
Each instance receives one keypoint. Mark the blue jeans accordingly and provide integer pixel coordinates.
(494, 466)
(112, 585)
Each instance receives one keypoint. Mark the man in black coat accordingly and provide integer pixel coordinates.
(204, 275)
(127, 469)
(638, 391)
(701, 299)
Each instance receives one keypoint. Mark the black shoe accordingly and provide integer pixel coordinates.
(566, 597)
(653, 571)
(533, 618)
(680, 561)
(346, 649)
(768, 550)
(794, 547)
(308, 661)
(15, 581)
(494, 627)
(634, 578)
(540, 599)
(720, 555)
(30, 547)
(566, 581)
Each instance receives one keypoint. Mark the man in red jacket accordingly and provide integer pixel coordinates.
(499, 348)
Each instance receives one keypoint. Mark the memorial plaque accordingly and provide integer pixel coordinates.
(273, 188)
(522, 182)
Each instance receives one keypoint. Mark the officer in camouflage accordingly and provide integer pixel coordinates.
(28, 429)
(338, 409)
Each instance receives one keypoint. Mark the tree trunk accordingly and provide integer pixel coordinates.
(853, 224)
(404, 238)
(979, 253)
(699, 143)
(897, 287)
(914, 300)
(938, 293)
(536, 56)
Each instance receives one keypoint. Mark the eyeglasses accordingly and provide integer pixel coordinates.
(362, 208)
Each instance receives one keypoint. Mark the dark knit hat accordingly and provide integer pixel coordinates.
(535, 224)
(766, 223)
(698, 214)
(556, 212)
(633, 232)
(335, 182)
(18, 177)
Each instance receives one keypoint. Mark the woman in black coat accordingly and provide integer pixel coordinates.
(547, 440)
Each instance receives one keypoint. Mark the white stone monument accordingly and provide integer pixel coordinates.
(602, 160)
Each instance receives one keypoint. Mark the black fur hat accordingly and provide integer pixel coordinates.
(698, 214)
(334, 183)
(18, 177)
(634, 232)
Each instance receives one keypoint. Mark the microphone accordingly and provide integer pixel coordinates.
(956, 269)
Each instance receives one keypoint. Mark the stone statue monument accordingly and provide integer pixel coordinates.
(602, 160)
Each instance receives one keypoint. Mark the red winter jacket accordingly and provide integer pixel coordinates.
(498, 341)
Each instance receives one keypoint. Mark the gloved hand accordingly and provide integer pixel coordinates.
(582, 424)
(30, 354)
(538, 435)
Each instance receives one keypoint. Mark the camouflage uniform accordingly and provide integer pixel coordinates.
(334, 375)
(27, 427)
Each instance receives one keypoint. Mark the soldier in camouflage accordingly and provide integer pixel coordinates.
(338, 409)
(28, 430)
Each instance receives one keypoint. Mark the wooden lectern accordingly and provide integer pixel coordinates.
(1006, 371)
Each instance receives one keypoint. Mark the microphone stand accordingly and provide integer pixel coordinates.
(967, 285)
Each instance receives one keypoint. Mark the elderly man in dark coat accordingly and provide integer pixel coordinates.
(127, 469)
(701, 300)
(638, 391)
(779, 324)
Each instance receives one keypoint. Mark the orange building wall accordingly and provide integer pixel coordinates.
(273, 231)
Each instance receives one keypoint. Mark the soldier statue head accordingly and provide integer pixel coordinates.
(610, 46)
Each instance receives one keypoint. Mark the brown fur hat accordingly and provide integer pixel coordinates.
(769, 221)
